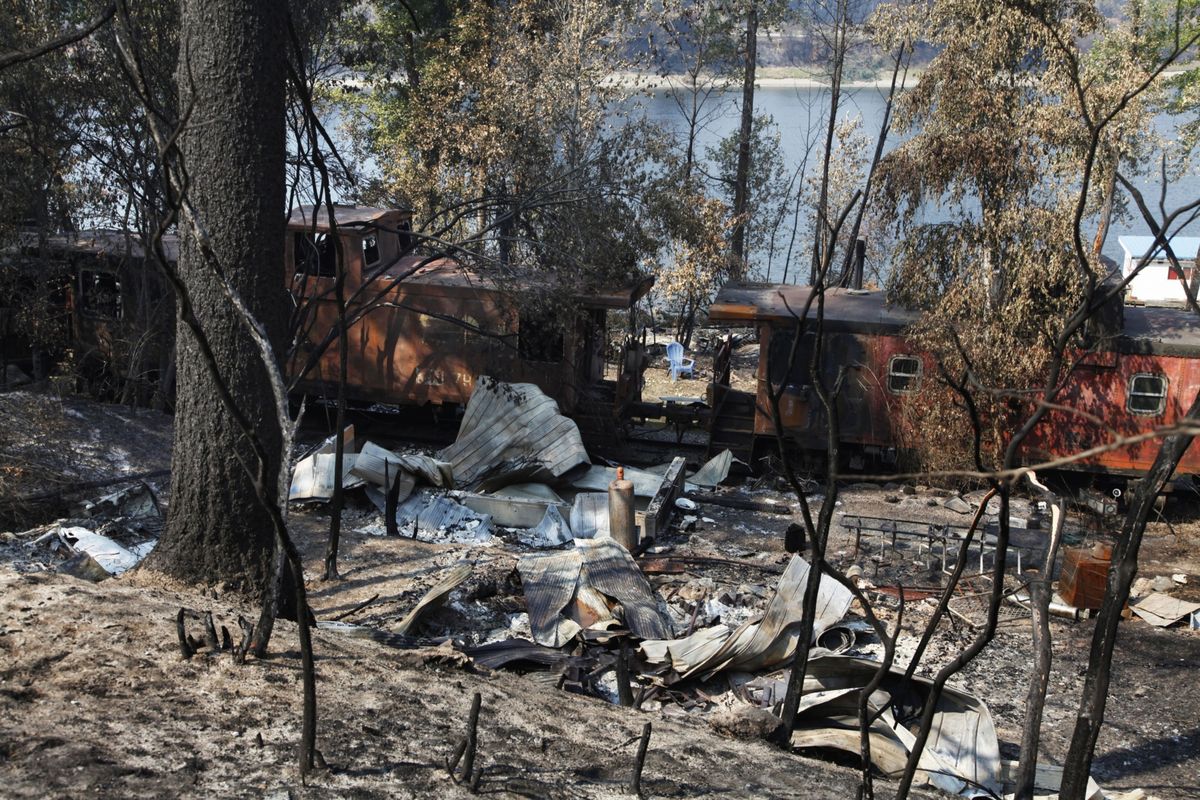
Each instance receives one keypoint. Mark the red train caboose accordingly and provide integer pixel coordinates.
(1143, 377)
(423, 329)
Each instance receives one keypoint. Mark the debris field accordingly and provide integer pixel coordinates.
(495, 566)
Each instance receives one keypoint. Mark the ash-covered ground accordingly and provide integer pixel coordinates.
(96, 699)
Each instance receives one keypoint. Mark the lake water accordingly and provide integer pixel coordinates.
(798, 113)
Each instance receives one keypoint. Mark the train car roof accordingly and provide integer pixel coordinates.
(1159, 331)
(310, 217)
(448, 273)
(1146, 329)
(845, 309)
(103, 242)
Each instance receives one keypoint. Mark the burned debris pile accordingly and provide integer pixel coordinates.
(513, 560)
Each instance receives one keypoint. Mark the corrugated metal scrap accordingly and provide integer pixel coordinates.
(572, 589)
(513, 428)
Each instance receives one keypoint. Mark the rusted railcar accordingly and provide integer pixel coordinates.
(422, 330)
(102, 304)
(1141, 377)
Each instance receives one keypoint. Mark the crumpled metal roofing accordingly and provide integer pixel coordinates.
(555, 583)
(438, 518)
(513, 427)
(757, 643)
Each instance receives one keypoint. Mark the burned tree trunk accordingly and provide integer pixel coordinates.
(741, 188)
(231, 77)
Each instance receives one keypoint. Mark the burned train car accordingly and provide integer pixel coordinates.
(422, 329)
(93, 299)
(1142, 376)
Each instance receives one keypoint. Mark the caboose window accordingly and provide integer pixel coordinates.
(370, 251)
(1147, 394)
(540, 338)
(315, 255)
(904, 374)
(100, 294)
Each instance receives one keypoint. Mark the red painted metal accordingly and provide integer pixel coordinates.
(862, 334)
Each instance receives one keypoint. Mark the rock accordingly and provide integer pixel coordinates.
(957, 504)
(84, 567)
(1162, 584)
(932, 502)
(892, 498)
(745, 722)
(906, 489)
(1179, 578)
(1141, 587)
(890, 486)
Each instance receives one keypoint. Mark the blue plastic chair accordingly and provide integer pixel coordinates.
(677, 363)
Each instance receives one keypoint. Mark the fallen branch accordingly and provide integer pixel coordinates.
(356, 609)
(78, 486)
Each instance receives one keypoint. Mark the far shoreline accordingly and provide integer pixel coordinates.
(642, 80)
(651, 81)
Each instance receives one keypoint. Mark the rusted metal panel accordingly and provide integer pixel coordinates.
(862, 336)
(423, 329)
(1101, 398)
(866, 407)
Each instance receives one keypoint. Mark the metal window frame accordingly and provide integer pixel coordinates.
(378, 251)
(915, 382)
(1162, 398)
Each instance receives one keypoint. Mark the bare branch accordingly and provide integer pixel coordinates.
(21, 56)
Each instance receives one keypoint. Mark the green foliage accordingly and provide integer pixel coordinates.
(493, 124)
(39, 145)
(73, 145)
(770, 185)
(1024, 106)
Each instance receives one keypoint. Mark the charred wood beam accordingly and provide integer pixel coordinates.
(77, 486)
(465, 751)
(741, 505)
(635, 781)
(356, 609)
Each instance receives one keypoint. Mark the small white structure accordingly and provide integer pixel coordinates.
(1158, 283)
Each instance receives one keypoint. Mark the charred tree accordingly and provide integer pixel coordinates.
(231, 76)
(741, 189)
